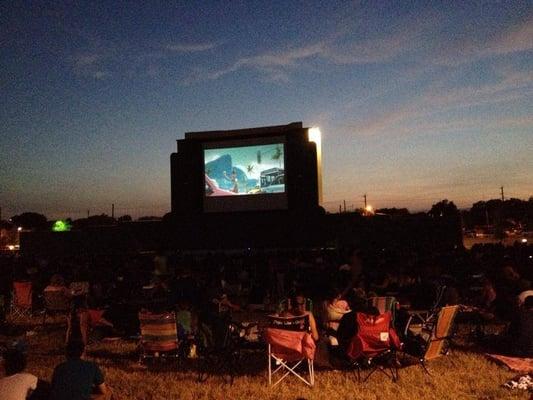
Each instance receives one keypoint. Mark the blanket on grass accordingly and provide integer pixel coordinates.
(518, 364)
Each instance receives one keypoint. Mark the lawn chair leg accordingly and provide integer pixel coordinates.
(395, 376)
(311, 372)
(423, 364)
(269, 367)
(370, 374)
(357, 372)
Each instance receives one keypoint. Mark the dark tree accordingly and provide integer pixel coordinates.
(149, 218)
(30, 220)
(94, 220)
(125, 218)
(444, 209)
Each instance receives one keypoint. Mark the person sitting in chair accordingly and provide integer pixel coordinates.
(57, 284)
(297, 309)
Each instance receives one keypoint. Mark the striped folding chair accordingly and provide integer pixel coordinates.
(289, 346)
(159, 335)
(21, 302)
(432, 340)
(55, 302)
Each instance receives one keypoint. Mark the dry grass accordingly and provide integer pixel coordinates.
(460, 375)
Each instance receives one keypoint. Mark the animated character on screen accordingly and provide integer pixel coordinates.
(233, 179)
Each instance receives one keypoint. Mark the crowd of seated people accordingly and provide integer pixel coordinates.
(493, 279)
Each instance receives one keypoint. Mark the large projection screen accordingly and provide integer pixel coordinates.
(245, 175)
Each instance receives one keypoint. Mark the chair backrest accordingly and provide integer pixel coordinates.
(295, 324)
(22, 293)
(56, 300)
(439, 294)
(440, 332)
(289, 338)
(158, 331)
(384, 304)
(374, 336)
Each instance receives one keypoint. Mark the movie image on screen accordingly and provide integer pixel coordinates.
(245, 170)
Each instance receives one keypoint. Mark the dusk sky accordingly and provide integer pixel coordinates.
(417, 101)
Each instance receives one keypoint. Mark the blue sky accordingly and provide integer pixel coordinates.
(417, 101)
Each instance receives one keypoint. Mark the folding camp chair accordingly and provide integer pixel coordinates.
(21, 300)
(289, 346)
(55, 302)
(432, 340)
(374, 346)
(420, 318)
(384, 304)
(223, 355)
(159, 335)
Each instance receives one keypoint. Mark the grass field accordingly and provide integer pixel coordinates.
(459, 375)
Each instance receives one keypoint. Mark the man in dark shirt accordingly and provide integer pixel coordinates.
(77, 379)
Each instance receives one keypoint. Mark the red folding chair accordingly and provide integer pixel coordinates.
(374, 346)
(289, 345)
(21, 302)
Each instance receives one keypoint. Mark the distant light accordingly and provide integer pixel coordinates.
(11, 247)
(524, 240)
(61, 226)
(369, 209)
(19, 228)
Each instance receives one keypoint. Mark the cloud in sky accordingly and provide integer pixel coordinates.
(404, 118)
(512, 39)
(415, 38)
(190, 47)
(90, 64)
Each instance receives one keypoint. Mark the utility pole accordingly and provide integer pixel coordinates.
(365, 199)
(87, 213)
(113, 210)
(340, 208)
(344, 201)
(503, 197)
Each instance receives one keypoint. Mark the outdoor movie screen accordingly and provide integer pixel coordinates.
(245, 170)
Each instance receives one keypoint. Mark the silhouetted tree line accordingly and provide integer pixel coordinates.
(36, 221)
(497, 213)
